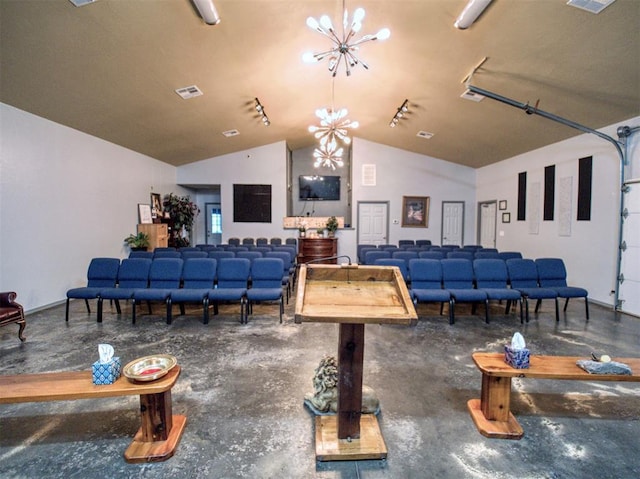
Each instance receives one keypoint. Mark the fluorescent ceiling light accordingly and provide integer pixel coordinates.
(470, 13)
(207, 11)
(81, 3)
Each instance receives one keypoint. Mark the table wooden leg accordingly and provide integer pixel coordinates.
(491, 413)
(160, 431)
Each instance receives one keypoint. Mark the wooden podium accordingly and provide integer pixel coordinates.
(353, 296)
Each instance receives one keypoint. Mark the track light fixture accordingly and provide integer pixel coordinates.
(470, 13)
(262, 112)
(402, 111)
(207, 11)
(344, 47)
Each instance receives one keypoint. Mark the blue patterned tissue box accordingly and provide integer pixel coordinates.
(106, 373)
(516, 358)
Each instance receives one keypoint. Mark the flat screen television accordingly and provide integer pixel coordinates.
(319, 188)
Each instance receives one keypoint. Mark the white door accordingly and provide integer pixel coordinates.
(487, 224)
(373, 222)
(452, 223)
(213, 223)
(629, 287)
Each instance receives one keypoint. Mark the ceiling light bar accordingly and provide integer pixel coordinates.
(470, 13)
(263, 114)
(402, 110)
(344, 47)
(207, 11)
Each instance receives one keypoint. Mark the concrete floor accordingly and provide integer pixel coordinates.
(242, 389)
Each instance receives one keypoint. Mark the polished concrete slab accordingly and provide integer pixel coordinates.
(242, 390)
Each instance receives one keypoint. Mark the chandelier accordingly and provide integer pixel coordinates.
(345, 47)
(333, 124)
(328, 155)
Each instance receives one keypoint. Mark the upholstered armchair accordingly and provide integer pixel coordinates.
(12, 312)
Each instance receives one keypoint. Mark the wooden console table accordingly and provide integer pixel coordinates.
(352, 296)
(491, 413)
(311, 249)
(160, 432)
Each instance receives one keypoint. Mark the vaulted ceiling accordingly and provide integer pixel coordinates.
(111, 69)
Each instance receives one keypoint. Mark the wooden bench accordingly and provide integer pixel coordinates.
(160, 432)
(491, 413)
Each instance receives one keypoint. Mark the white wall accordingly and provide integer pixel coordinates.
(590, 253)
(265, 165)
(65, 197)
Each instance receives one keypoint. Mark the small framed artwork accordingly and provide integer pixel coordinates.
(502, 205)
(144, 214)
(156, 205)
(415, 211)
(506, 217)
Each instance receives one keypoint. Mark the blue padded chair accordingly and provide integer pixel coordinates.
(182, 249)
(102, 273)
(471, 247)
(287, 264)
(481, 254)
(426, 284)
(275, 241)
(262, 241)
(198, 277)
(398, 263)
(266, 283)
(405, 255)
(291, 241)
(234, 241)
(165, 248)
(231, 284)
(492, 277)
(457, 277)
(133, 274)
(487, 250)
(193, 254)
(293, 253)
(218, 254)
(141, 254)
(263, 249)
(248, 241)
(235, 249)
(552, 274)
(250, 255)
(164, 276)
(208, 247)
(166, 254)
(406, 243)
(370, 256)
(361, 249)
(505, 255)
(431, 255)
(468, 255)
(423, 242)
(523, 276)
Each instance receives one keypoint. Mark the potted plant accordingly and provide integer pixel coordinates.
(320, 232)
(138, 242)
(182, 213)
(332, 226)
(302, 229)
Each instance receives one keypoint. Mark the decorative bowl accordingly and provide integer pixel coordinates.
(149, 368)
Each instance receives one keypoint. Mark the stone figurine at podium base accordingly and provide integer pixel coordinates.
(324, 398)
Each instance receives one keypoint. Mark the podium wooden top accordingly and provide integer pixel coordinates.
(353, 294)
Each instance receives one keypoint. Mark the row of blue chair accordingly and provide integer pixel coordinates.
(371, 255)
(482, 280)
(173, 280)
(362, 249)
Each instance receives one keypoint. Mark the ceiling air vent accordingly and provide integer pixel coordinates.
(189, 92)
(593, 6)
(230, 133)
(425, 134)
(469, 95)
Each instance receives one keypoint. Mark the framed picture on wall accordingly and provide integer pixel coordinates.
(156, 205)
(144, 214)
(502, 205)
(506, 217)
(415, 211)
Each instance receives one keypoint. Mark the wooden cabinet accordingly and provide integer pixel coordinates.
(315, 248)
(158, 234)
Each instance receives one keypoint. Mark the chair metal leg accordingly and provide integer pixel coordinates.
(557, 312)
(281, 308)
(538, 303)
(99, 319)
(169, 310)
(486, 311)
(66, 316)
(586, 307)
(452, 305)
(86, 301)
(118, 310)
(133, 311)
(205, 310)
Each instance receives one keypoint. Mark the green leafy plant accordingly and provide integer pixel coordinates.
(332, 225)
(140, 240)
(182, 214)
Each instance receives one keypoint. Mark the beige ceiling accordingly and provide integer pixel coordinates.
(111, 69)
